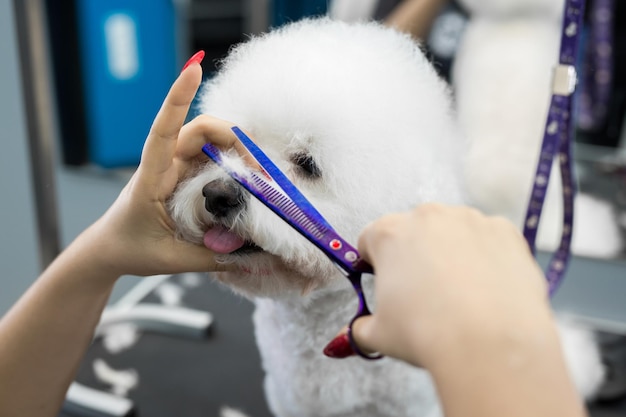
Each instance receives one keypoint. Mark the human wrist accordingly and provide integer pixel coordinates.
(93, 250)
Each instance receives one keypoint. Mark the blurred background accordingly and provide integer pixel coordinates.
(80, 83)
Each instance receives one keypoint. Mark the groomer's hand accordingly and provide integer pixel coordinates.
(459, 293)
(444, 275)
(136, 235)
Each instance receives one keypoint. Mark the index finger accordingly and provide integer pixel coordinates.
(204, 129)
(376, 234)
(160, 145)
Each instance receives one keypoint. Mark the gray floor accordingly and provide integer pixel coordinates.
(191, 376)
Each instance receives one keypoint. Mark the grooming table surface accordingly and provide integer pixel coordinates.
(186, 377)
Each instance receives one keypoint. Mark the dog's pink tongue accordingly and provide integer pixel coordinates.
(221, 240)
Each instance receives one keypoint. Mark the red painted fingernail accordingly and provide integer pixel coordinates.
(196, 59)
(339, 347)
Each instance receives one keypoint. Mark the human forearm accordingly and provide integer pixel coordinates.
(513, 371)
(415, 16)
(45, 335)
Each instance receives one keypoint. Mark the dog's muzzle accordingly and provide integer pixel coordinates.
(223, 198)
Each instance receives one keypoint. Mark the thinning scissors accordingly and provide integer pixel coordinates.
(280, 195)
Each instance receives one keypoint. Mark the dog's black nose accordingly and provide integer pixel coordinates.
(222, 197)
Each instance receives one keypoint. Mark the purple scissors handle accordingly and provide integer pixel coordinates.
(272, 188)
(363, 310)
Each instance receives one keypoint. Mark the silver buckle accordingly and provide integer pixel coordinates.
(564, 80)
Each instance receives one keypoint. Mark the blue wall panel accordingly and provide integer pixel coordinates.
(128, 55)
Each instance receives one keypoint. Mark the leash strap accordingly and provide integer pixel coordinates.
(558, 135)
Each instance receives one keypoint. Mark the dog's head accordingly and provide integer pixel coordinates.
(353, 114)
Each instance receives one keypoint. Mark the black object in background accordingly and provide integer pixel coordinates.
(609, 132)
(441, 45)
(67, 76)
(214, 27)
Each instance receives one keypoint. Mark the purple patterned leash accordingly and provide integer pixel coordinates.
(593, 102)
(557, 142)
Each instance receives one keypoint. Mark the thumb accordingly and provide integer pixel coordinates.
(174, 256)
(364, 334)
(195, 258)
(340, 346)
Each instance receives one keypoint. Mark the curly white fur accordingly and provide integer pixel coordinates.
(364, 103)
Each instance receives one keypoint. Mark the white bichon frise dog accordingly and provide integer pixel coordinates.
(356, 116)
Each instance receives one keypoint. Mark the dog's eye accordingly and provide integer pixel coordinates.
(306, 165)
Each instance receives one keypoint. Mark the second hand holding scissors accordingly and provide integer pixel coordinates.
(272, 188)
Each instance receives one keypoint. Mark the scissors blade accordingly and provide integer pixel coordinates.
(272, 188)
